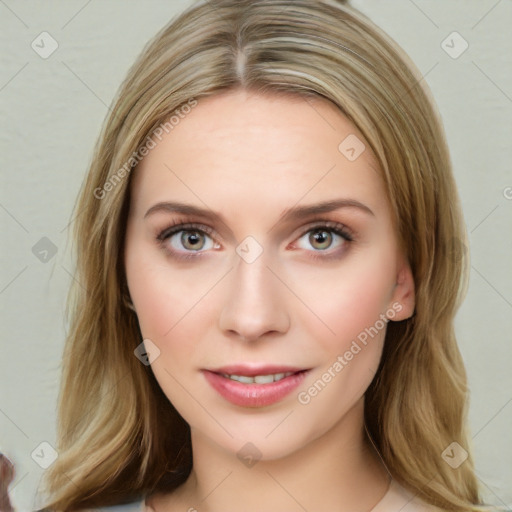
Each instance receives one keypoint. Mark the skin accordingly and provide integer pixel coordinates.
(250, 157)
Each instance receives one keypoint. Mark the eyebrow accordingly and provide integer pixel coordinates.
(290, 214)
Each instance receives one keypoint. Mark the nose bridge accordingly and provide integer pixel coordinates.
(253, 279)
(254, 303)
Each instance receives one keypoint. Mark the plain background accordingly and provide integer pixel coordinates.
(52, 110)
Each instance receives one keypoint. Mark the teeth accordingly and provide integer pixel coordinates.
(244, 379)
(258, 379)
(263, 379)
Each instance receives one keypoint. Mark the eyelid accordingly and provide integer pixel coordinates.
(178, 225)
(334, 225)
(184, 224)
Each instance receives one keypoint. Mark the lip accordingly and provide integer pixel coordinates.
(254, 395)
(256, 369)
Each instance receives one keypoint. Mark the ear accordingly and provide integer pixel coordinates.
(403, 295)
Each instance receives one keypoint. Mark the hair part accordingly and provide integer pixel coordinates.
(111, 407)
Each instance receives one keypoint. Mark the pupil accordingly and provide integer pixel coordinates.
(192, 239)
(319, 235)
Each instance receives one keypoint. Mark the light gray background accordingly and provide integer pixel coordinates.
(52, 110)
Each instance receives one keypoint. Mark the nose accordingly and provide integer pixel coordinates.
(255, 304)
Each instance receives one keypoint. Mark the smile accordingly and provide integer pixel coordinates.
(258, 379)
(259, 389)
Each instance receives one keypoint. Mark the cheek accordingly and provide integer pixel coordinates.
(165, 297)
(172, 313)
(348, 358)
(348, 300)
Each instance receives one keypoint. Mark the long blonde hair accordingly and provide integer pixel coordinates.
(119, 438)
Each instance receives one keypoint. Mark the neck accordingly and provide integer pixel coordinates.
(339, 471)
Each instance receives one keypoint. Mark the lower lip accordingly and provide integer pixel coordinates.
(253, 395)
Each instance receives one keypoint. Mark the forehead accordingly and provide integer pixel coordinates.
(240, 144)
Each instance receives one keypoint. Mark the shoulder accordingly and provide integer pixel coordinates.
(399, 498)
(135, 506)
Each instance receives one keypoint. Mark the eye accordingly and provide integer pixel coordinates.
(183, 238)
(324, 236)
(183, 241)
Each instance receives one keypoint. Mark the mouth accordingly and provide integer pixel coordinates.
(255, 386)
(258, 379)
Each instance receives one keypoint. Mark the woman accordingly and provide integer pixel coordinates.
(268, 256)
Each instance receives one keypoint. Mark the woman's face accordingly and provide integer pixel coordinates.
(290, 265)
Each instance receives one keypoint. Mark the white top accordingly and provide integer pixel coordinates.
(396, 499)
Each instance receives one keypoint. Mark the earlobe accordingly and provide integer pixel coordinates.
(403, 299)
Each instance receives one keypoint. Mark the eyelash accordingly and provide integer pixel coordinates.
(177, 225)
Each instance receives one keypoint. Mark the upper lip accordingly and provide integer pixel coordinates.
(252, 370)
